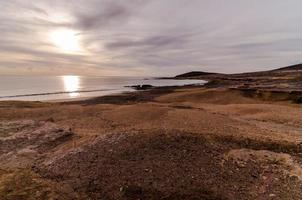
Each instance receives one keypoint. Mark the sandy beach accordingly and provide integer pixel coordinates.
(194, 142)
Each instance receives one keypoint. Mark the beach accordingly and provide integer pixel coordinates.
(150, 100)
(74, 87)
(191, 142)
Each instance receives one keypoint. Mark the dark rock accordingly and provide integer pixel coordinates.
(50, 120)
(132, 192)
(142, 87)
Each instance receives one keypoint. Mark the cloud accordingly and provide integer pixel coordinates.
(160, 41)
(153, 37)
(104, 14)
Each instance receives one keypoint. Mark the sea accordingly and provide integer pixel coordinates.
(49, 88)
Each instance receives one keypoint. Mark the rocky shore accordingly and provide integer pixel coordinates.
(237, 137)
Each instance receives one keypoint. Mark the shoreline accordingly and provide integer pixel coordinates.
(90, 93)
(215, 141)
(113, 94)
(165, 136)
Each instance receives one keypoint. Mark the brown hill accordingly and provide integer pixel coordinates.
(290, 68)
(194, 74)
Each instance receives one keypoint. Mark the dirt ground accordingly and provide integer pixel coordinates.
(189, 143)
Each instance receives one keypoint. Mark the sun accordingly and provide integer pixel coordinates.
(66, 40)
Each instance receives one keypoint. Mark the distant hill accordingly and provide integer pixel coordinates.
(194, 74)
(297, 67)
(292, 67)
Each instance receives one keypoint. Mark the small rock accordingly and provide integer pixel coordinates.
(272, 195)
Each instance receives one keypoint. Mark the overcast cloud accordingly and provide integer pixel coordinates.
(150, 37)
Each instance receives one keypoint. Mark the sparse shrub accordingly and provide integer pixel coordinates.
(298, 100)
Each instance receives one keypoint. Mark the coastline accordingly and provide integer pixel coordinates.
(151, 143)
(69, 87)
(134, 96)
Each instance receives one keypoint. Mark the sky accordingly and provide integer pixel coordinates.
(148, 37)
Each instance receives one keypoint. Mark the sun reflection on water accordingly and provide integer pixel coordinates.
(71, 85)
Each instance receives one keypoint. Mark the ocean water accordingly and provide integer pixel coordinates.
(45, 88)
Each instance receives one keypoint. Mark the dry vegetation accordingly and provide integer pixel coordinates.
(190, 143)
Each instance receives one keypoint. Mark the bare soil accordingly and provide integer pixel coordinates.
(180, 143)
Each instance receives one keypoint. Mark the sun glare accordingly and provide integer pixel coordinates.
(71, 85)
(66, 40)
